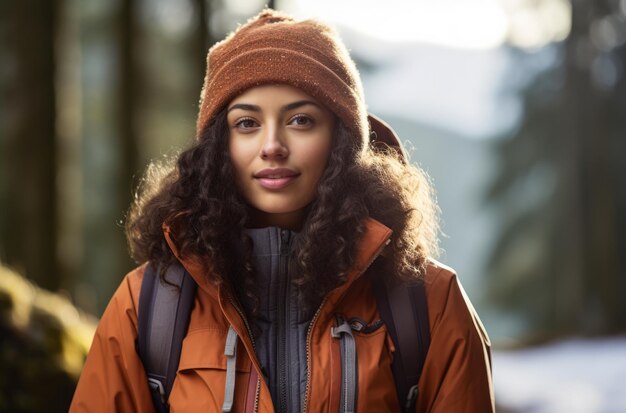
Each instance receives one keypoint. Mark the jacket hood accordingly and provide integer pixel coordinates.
(382, 133)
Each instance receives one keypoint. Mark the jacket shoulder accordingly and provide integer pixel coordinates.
(441, 286)
(113, 378)
(436, 269)
(438, 279)
(126, 297)
(447, 299)
(457, 372)
(133, 281)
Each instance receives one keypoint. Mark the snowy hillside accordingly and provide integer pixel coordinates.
(574, 376)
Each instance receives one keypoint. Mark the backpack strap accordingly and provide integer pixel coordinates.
(164, 312)
(404, 310)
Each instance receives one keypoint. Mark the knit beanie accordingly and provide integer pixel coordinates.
(274, 48)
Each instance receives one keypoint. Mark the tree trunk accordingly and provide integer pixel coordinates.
(29, 239)
(128, 98)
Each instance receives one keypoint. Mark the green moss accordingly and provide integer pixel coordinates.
(43, 342)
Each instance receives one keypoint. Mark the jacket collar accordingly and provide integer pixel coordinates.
(196, 266)
(374, 240)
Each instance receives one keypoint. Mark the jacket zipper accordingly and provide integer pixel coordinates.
(283, 313)
(284, 247)
(314, 319)
(256, 396)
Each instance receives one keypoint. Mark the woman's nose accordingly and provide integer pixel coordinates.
(274, 146)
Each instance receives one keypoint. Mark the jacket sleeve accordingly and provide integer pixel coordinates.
(457, 370)
(113, 378)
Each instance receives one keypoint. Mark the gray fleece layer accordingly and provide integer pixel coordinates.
(282, 322)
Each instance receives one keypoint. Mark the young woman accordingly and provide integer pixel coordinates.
(286, 210)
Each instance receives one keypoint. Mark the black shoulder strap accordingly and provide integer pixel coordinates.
(164, 312)
(404, 310)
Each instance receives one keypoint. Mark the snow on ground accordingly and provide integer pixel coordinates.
(577, 376)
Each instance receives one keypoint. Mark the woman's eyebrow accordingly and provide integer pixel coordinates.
(286, 108)
(245, 106)
(298, 104)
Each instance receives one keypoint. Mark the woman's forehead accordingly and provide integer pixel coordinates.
(269, 91)
(276, 97)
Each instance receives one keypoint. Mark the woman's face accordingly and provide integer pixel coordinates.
(280, 140)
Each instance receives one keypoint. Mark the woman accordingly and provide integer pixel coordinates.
(285, 214)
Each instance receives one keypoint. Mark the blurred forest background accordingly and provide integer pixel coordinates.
(91, 91)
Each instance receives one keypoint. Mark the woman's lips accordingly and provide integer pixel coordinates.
(275, 183)
(275, 178)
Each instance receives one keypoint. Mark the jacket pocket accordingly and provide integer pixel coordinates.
(204, 349)
(375, 385)
(201, 378)
(377, 389)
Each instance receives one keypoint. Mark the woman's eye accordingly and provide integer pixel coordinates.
(301, 120)
(246, 124)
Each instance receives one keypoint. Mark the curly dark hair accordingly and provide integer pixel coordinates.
(197, 197)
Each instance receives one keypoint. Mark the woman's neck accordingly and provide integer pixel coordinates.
(289, 220)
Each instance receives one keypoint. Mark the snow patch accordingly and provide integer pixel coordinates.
(577, 375)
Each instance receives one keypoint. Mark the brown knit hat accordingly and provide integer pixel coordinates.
(274, 48)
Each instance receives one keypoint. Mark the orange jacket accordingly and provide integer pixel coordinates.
(456, 375)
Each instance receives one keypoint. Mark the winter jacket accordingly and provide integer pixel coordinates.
(456, 375)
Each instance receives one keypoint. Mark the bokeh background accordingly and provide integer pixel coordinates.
(515, 108)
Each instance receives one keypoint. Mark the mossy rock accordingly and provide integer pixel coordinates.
(44, 340)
